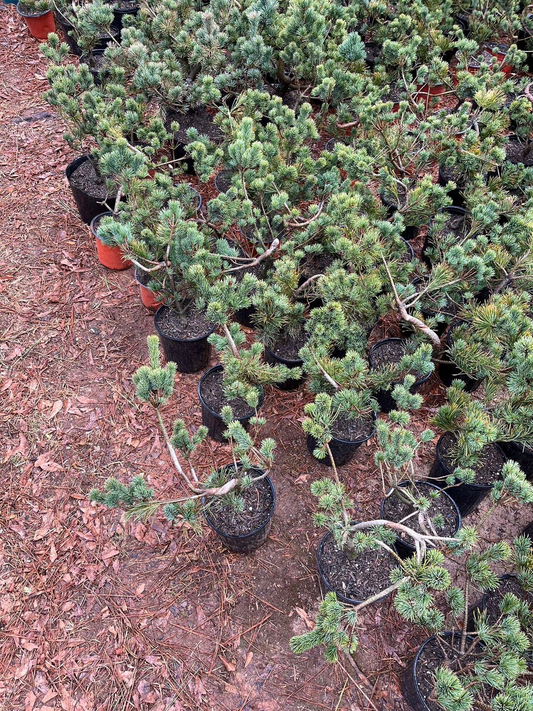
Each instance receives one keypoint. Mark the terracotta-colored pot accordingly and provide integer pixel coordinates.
(149, 298)
(111, 257)
(40, 26)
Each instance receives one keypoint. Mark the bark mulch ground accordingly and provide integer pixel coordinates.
(97, 613)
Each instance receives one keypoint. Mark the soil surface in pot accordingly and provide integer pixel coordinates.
(223, 180)
(456, 225)
(435, 654)
(494, 599)
(394, 509)
(487, 469)
(29, 11)
(85, 178)
(214, 397)
(449, 175)
(289, 346)
(126, 4)
(519, 152)
(353, 430)
(394, 94)
(198, 119)
(96, 62)
(257, 504)
(314, 264)
(187, 327)
(357, 578)
(390, 353)
(143, 277)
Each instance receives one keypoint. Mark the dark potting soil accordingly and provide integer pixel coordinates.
(357, 578)
(449, 175)
(394, 94)
(435, 654)
(289, 346)
(214, 397)
(30, 11)
(519, 152)
(143, 277)
(390, 353)
(223, 180)
(314, 264)
(488, 468)
(394, 509)
(494, 599)
(85, 178)
(95, 61)
(125, 4)
(187, 327)
(353, 430)
(456, 225)
(257, 504)
(199, 119)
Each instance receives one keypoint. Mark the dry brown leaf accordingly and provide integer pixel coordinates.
(230, 667)
(45, 462)
(305, 617)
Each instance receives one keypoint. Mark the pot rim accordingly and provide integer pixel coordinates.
(98, 217)
(157, 316)
(478, 487)
(417, 656)
(374, 417)
(218, 367)
(386, 340)
(408, 544)
(31, 16)
(235, 537)
(325, 582)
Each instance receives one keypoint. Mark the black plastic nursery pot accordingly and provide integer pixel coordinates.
(410, 681)
(273, 359)
(245, 316)
(384, 397)
(326, 585)
(98, 74)
(88, 206)
(405, 548)
(248, 542)
(466, 496)
(120, 14)
(180, 154)
(445, 176)
(520, 453)
(213, 420)
(495, 596)
(66, 27)
(342, 451)
(223, 180)
(451, 210)
(190, 355)
(448, 370)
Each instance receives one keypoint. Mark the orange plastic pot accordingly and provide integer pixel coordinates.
(40, 26)
(149, 298)
(111, 257)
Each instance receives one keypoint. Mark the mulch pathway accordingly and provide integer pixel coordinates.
(97, 612)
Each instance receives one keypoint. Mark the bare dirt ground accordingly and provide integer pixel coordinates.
(101, 614)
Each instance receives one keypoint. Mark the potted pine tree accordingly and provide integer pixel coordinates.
(38, 17)
(237, 500)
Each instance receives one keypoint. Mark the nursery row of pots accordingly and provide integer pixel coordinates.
(435, 143)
